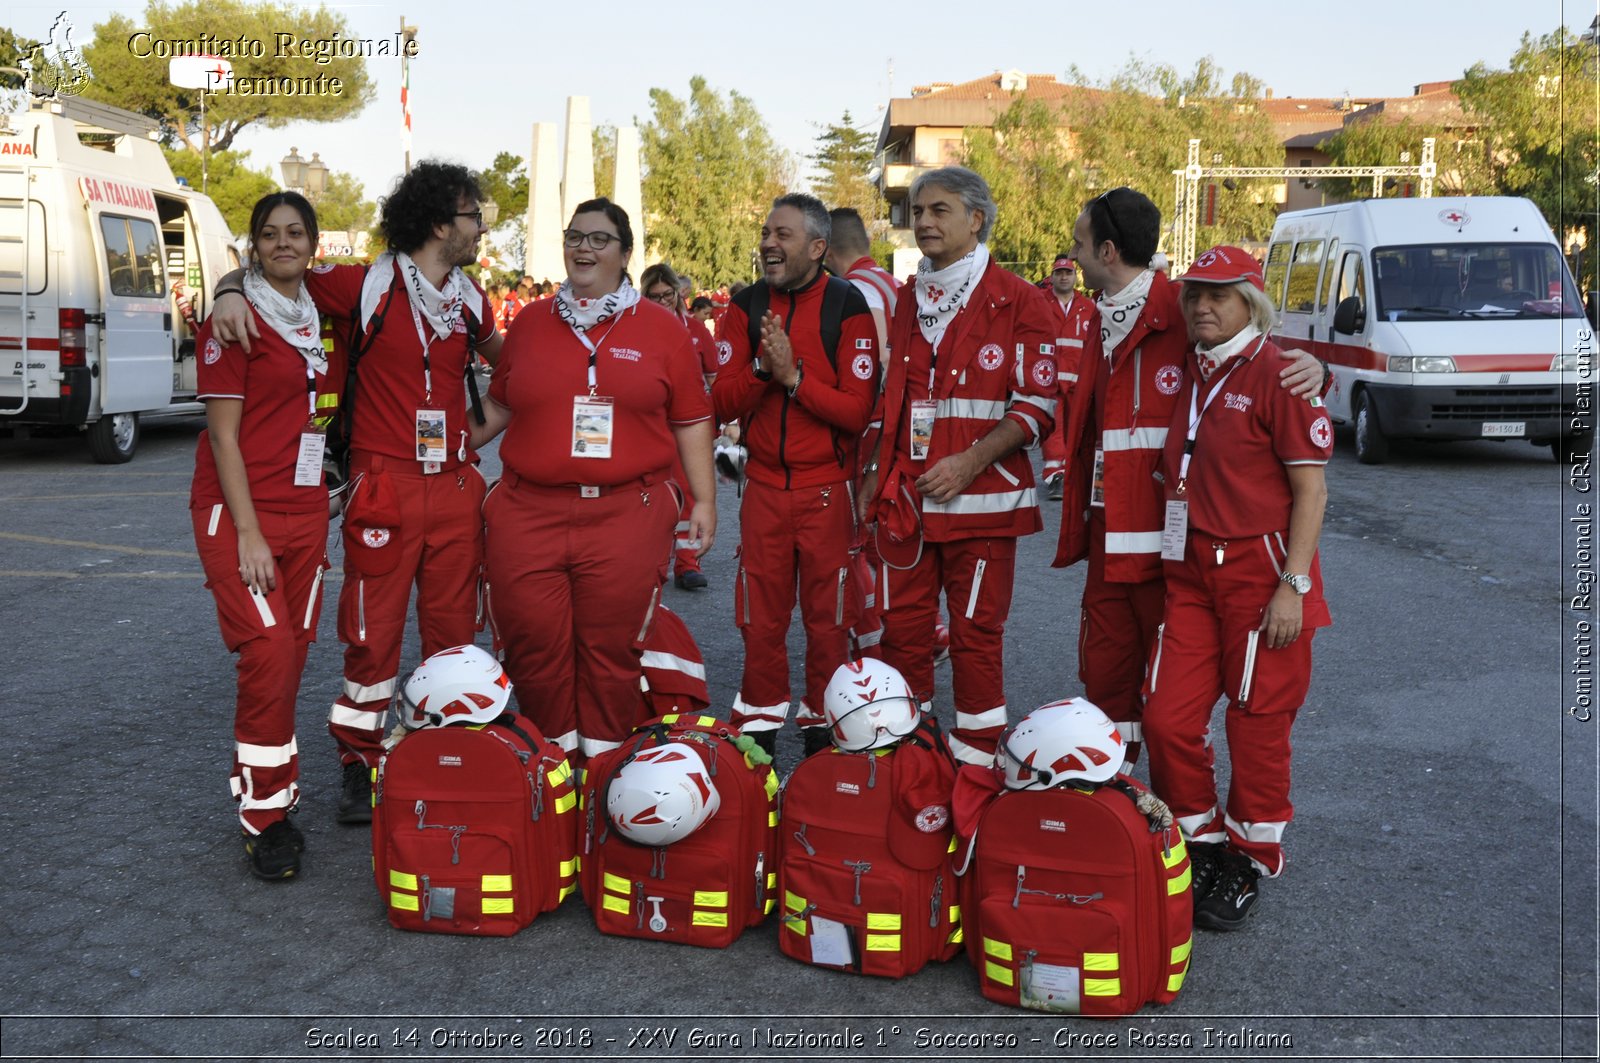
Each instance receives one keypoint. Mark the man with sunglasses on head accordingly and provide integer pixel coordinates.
(1113, 511)
(413, 511)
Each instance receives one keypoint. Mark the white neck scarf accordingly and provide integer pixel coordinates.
(441, 308)
(1214, 358)
(1118, 312)
(585, 314)
(296, 319)
(941, 293)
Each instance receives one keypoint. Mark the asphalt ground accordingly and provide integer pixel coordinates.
(1440, 902)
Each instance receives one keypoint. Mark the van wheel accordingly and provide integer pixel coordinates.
(1372, 446)
(113, 438)
(1574, 448)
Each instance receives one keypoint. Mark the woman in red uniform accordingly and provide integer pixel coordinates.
(260, 511)
(1243, 468)
(598, 392)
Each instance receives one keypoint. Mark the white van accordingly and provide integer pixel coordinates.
(1449, 318)
(106, 263)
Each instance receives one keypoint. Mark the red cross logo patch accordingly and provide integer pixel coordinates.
(1044, 373)
(1169, 378)
(1321, 432)
(990, 356)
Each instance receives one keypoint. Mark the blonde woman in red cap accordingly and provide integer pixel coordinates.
(1243, 469)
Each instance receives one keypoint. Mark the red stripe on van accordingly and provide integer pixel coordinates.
(1356, 357)
(35, 343)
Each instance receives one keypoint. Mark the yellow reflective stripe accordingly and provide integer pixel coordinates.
(1102, 987)
(956, 936)
(883, 921)
(1100, 961)
(1175, 855)
(1181, 952)
(710, 898)
(616, 883)
(498, 905)
(708, 721)
(766, 909)
(569, 868)
(952, 847)
(796, 924)
(955, 913)
(1000, 950)
(1000, 974)
(497, 883)
(1180, 883)
(405, 901)
(566, 891)
(565, 802)
(670, 717)
(560, 773)
(710, 919)
(402, 880)
(1175, 982)
(772, 818)
(614, 904)
(577, 862)
(793, 903)
(883, 942)
(771, 785)
(772, 880)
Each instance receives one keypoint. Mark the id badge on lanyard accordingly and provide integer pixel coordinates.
(313, 441)
(593, 416)
(1175, 532)
(1097, 484)
(430, 436)
(922, 418)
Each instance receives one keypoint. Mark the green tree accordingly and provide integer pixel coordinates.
(711, 173)
(1135, 131)
(1542, 127)
(344, 206)
(505, 182)
(126, 79)
(13, 49)
(1034, 181)
(233, 186)
(1462, 166)
(843, 158)
(603, 139)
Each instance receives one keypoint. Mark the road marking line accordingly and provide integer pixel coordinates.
(119, 494)
(47, 541)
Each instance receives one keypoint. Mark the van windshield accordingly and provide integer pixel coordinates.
(1449, 282)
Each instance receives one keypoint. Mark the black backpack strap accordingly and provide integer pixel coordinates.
(760, 299)
(833, 297)
(361, 341)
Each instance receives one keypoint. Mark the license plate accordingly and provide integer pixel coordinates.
(1504, 429)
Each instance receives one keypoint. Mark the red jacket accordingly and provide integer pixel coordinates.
(808, 439)
(997, 361)
(1130, 400)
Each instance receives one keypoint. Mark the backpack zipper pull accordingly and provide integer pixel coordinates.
(872, 769)
(860, 867)
(1016, 898)
(800, 836)
(638, 904)
(938, 895)
(761, 880)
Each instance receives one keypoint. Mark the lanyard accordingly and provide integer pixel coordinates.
(426, 336)
(594, 348)
(1197, 412)
(311, 391)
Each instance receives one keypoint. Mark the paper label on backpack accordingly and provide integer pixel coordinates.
(830, 942)
(1048, 987)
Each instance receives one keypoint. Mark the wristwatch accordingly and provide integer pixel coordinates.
(1301, 584)
(799, 375)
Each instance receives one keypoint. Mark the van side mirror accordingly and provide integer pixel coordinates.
(1350, 317)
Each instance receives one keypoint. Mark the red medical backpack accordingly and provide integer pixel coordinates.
(474, 829)
(865, 859)
(704, 889)
(1073, 901)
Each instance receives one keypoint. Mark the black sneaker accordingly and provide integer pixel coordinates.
(1055, 486)
(1232, 897)
(1203, 868)
(691, 581)
(355, 797)
(818, 739)
(767, 740)
(275, 852)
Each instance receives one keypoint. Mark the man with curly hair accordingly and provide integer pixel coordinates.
(413, 511)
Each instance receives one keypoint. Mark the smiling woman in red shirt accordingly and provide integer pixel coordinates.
(1245, 495)
(260, 512)
(597, 392)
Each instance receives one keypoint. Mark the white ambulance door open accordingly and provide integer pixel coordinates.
(135, 337)
(27, 317)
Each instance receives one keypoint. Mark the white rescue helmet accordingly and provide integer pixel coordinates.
(869, 705)
(663, 795)
(460, 685)
(1062, 742)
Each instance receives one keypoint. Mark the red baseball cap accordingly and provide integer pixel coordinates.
(1225, 265)
(1063, 262)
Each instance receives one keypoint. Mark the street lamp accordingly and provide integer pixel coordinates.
(310, 178)
(491, 212)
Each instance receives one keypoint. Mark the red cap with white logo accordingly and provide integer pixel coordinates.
(1225, 265)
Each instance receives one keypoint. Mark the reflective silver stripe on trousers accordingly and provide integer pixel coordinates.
(1115, 439)
(264, 756)
(669, 662)
(993, 502)
(1133, 542)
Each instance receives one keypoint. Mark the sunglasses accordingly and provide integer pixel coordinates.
(1104, 201)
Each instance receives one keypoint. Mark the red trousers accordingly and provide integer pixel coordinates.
(575, 582)
(684, 557)
(271, 633)
(1204, 654)
(795, 540)
(1117, 631)
(439, 542)
(976, 576)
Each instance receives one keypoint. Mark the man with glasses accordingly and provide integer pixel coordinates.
(661, 284)
(1130, 373)
(413, 512)
(798, 369)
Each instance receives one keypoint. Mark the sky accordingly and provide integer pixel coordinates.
(484, 73)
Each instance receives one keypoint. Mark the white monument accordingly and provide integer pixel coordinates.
(628, 196)
(542, 252)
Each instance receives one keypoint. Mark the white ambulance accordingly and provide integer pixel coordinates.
(106, 264)
(1450, 318)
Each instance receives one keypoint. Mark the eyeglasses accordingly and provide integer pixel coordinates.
(1104, 199)
(598, 241)
(475, 215)
(666, 296)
